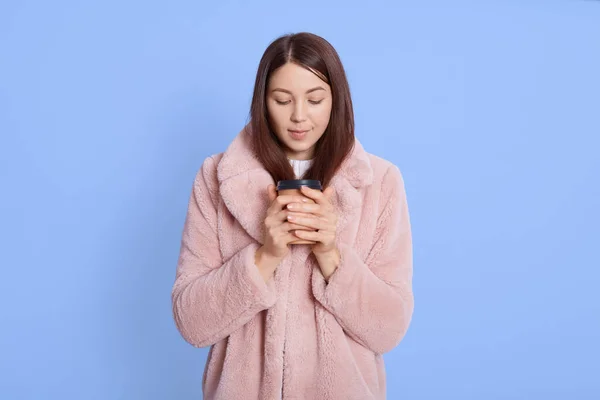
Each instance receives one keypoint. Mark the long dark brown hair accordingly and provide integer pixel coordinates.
(318, 56)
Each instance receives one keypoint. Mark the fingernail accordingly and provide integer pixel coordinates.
(291, 206)
(290, 218)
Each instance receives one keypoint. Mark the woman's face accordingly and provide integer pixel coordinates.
(299, 107)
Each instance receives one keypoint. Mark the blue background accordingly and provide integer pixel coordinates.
(490, 109)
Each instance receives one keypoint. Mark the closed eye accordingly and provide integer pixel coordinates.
(283, 103)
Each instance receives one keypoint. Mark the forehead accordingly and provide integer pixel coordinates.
(295, 78)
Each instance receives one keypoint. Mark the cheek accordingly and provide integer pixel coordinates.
(321, 116)
(275, 116)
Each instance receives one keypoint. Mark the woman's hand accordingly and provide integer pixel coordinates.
(278, 233)
(320, 217)
(323, 218)
(278, 227)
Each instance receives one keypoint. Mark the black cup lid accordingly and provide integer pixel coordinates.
(297, 183)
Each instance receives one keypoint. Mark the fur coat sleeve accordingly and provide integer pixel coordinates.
(213, 297)
(378, 311)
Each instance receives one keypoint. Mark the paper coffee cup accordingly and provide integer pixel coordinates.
(292, 187)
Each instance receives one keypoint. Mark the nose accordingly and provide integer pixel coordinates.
(299, 114)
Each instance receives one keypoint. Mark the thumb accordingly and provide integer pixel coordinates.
(272, 192)
(328, 192)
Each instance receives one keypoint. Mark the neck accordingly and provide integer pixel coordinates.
(301, 155)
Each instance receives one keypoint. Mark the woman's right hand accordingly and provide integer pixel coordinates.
(277, 230)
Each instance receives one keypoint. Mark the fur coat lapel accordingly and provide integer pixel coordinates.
(243, 185)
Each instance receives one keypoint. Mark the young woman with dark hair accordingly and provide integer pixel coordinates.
(296, 321)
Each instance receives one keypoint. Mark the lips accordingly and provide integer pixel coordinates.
(297, 135)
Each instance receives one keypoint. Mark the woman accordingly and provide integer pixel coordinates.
(296, 321)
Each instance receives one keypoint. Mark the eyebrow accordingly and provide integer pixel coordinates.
(308, 91)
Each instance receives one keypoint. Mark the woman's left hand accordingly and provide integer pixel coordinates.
(321, 217)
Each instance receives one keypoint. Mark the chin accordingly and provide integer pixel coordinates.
(296, 147)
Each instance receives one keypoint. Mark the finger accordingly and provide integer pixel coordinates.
(285, 239)
(328, 192)
(314, 194)
(289, 226)
(283, 214)
(309, 221)
(309, 235)
(281, 201)
(310, 208)
(272, 191)
(291, 237)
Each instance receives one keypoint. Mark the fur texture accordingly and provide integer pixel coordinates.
(297, 336)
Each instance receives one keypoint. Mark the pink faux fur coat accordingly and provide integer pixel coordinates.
(295, 337)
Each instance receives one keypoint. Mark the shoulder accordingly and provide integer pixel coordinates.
(210, 164)
(206, 180)
(386, 175)
(388, 184)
